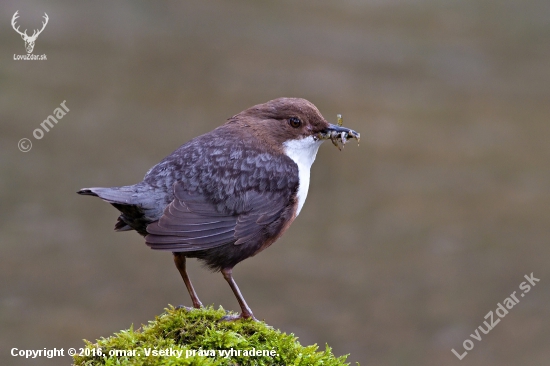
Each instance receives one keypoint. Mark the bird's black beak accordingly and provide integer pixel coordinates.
(339, 129)
(338, 133)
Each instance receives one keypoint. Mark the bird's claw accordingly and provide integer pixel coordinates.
(235, 317)
(186, 308)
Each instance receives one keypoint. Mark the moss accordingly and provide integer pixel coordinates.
(202, 339)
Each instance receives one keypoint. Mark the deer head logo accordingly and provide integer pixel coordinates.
(29, 40)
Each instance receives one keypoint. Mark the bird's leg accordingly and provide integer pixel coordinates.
(179, 259)
(246, 313)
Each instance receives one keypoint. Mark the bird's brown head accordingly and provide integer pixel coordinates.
(287, 119)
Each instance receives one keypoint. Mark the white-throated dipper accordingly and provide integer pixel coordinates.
(228, 194)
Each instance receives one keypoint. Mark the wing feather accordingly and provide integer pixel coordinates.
(197, 221)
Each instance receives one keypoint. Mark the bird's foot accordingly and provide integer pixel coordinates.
(186, 308)
(235, 317)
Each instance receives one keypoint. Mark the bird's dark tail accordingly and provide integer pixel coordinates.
(87, 192)
(126, 200)
(122, 195)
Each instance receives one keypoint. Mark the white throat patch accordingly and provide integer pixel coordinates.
(303, 153)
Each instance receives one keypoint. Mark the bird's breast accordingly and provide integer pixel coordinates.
(302, 152)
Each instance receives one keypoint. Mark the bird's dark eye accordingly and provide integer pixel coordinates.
(294, 122)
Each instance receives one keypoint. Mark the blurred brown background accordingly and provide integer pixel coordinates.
(404, 244)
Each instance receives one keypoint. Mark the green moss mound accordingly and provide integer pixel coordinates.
(197, 337)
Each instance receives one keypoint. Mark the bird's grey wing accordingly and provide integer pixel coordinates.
(265, 219)
(193, 223)
(190, 223)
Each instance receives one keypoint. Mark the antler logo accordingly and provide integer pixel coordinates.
(29, 40)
